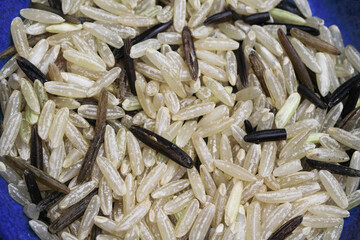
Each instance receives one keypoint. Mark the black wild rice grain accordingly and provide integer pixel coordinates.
(310, 30)
(91, 154)
(71, 214)
(333, 168)
(327, 98)
(259, 69)
(314, 42)
(257, 18)
(68, 18)
(162, 145)
(219, 17)
(290, 7)
(341, 92)
(311, 96)
(121, 85)
(299, 66)
(95, 231)
(55, 4)
(190, 54)
(102, 109)
(266, 135)
(129, 66)
(286, 229)
(314, 81)
(349, 121)
(236, 16)
(36, 153)
(241, 67)
(8, 51)
(49, 201)
(150, 33)
(132, 113)
(30, 70)
(85, 19)
(32, 41)
(41, 176)
(352, 99)
(248, 127)
(87, 101)
(32, 187)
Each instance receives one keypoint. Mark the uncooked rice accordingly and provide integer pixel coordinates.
(180, 120)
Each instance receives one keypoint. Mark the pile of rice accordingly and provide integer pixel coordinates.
(215, 91)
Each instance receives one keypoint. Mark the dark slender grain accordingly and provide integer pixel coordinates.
(68, 18)
(290, 7)
(326, 98)
(32, 187)
(349, 121)
(286, 229)
(150, 33)
(266, 135)
(257, 18)
(41, 176)
(248, 127)
(333, 168)
(259, 69)
(91, 154)
(87, 101)
(85, 19)
(313, 80)
(95, 231)
(299, 66)
(35, 39)
(49, 201)
(55, 4)
(310, 30)
(235, 15)
(351, 101)
(36, 154)
(314, 42)
(311, 96)
(7, 52)
(219, 17)
(341, 92)
(30, 70)
(129, 66)
(102, 109)
(241, 67)
(190, 54)
(71, 214)
(332, 101)
(121, 85)
(32, 41)
(162, 145)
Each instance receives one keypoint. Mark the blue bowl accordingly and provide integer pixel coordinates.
(344, 13)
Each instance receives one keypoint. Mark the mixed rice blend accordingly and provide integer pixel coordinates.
(175, 119)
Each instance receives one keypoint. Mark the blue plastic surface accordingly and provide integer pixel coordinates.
(344, 13)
